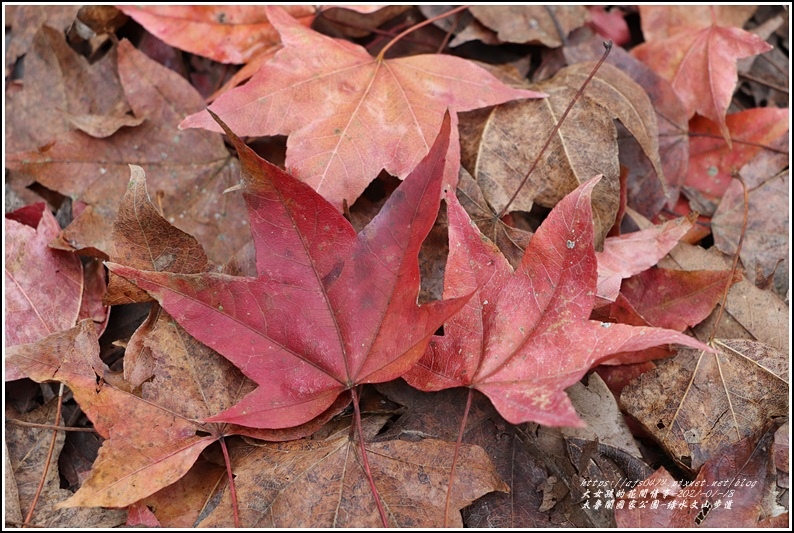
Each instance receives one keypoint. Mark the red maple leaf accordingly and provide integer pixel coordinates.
(700, 63)
(525, 336)
(349, 114)
(329, 309)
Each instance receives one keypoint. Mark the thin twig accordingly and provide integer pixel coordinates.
(50, 452)
(415, 27)
(49, 426)
(735, 257)
(608, 46)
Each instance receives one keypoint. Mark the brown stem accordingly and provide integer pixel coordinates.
(48, 426)
(364, 459)
(608, 46)
(232, 490)
(50, 452)
(455, 456)
(415, 27)
(735, 257)
(765, 83)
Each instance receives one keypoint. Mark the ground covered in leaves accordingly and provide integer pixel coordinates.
(409, 266)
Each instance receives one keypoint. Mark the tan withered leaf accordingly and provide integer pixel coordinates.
(143, 239)
(322, 483)
(513, 134)
(531, 24)
(750, 312)
(28, 449)
(152, 441)
(191, 168)
(697, 404)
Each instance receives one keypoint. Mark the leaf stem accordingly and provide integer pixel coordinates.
(415, 27)
(364, 459)
(47, 462)
(608, 46)
(735, 258)
(232, 489)
(48, 426)
(455, 456)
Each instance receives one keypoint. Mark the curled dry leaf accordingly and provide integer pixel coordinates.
(323, 484)
(511, 136)
(646, 190)
(698, 404)
(526, 335)
(191, 168)
(349, 115)
(143, 239)
(43, 287)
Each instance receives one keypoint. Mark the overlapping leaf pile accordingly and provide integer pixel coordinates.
(275, 363)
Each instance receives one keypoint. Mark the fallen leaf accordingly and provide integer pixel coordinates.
(734, 490)
(765, 247)
(698, 404)
(191, 168)
(677, 299)
(44, 287)
(24, 21)
(224, 33)
(436, 415)
(646, 191)
(328, 309)
(631, 253)
(697, 60)
(465, 27)
(323, 484)
(364, 114)
(143, 239)
(355, 20)
(525, 336)
(712, 160)
(181, 504)
(94, 286)
(661, 22)
(609, 24)
(512, 135)
(510, 240)
(750, 312)
(27, 456)
(57, 82)
(546, 25)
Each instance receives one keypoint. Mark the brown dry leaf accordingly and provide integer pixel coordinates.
(27, 455)
(546, 25)
(698, 404)
(322, 483)
(191, 168)
(24, 21)
(57, 80)
(181, 504)
(735, 490)
(143, 239)
(150, 442)
(751, 313)
(502, 144)
(765, 246)
(646, 191)
(355, 21)
(510, 240)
